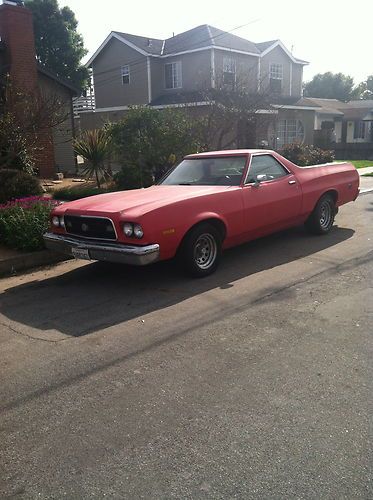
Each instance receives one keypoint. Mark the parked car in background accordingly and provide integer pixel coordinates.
(209, 202)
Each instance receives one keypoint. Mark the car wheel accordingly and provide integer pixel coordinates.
(322, 218)
(201, 250)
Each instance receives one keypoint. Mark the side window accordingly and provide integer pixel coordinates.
(265, 165)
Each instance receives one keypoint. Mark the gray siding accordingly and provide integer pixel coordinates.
(297, 80)
(195, 71)
(109, 90)
(278, 56)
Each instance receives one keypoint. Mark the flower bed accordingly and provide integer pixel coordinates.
(24, 221)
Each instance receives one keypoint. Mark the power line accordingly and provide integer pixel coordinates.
(140, 61)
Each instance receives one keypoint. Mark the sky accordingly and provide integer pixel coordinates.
(332, 35)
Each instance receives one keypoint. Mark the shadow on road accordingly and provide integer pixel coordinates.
(101, 295)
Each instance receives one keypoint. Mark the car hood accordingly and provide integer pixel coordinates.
(138, 201)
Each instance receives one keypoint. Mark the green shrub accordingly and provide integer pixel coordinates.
(131, 177)
(23, 222)
(17, 184)
(304, 155)
(76, 192)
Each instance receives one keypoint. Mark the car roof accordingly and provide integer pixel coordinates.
(230, 152)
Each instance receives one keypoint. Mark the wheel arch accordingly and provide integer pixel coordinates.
(214, 220)
(332, 192)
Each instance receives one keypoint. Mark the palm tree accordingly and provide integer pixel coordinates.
(94, 146)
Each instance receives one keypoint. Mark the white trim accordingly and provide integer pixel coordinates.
(278, 43)
(291, 79)
(213, 75)
(236, 51)
(289, 106)
(209, 47)
(162, 49)
(149, 79)
(266, 112)
(211, 37)
(160, 106)
(183, 105)
(107, 40)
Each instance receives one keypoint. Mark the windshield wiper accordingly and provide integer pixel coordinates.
(184, 184)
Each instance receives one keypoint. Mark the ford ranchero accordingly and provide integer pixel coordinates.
(207, 203)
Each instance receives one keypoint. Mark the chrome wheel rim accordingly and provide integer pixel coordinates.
(326, 215)
(205, 251)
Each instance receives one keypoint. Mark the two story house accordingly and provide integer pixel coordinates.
(134, 70)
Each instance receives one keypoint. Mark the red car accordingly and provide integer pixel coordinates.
(209, 202)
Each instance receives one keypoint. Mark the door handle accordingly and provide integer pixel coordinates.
(292, 182)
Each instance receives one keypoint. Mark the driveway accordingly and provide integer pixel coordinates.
(255, 382)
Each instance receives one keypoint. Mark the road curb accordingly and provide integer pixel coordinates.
(30, 260)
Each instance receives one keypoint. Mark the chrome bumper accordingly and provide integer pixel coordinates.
(110, 252)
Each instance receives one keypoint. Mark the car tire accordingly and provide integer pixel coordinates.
(321, 219)
(201, 250)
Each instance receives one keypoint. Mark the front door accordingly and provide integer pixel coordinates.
(272, 196)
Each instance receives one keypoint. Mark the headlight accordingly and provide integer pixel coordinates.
(137, 231)
(128, 229)
(56, 221)
(62, 222)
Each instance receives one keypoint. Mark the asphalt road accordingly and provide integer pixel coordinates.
(255, 382)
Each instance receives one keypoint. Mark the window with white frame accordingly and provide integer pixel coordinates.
(229, 71)
(275, 77)
(360, 130)
(288, 132)
(172, 72)
(125, 72)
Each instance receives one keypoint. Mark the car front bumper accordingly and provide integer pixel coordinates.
(106, 251)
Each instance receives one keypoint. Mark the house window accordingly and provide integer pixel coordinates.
(288, 132)
(360, 129)
(229, 71)
(173, 75)
(275, 77)
(125, 72)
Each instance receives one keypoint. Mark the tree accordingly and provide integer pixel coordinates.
(331, 86)
(365, 89)
(94, 147)
(232, 118)
(24, 118)
(59, 46)
(148, 142)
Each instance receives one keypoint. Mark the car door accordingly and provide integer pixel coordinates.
(272, 196)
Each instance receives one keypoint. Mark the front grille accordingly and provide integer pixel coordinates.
(100, 228)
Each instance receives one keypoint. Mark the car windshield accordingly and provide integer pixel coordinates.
(222, 171)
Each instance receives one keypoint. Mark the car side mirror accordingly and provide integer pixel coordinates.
(261, 177)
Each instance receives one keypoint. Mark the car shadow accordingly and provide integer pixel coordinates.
(100, 295)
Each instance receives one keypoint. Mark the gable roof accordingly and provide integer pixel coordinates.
(205, 36)
(152, 46)
(352, 110)
(198, 38)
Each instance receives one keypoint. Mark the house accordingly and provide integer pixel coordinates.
(134, 70)
(18, 62)
(347, 127)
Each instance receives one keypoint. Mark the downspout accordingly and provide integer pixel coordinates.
(212, 68)
(148, 66)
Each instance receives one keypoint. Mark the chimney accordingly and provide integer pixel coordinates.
(17, 33)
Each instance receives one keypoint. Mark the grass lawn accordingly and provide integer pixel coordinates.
(368, 175)
(359, 163)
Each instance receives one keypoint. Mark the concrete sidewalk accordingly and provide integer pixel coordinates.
(366, 183)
